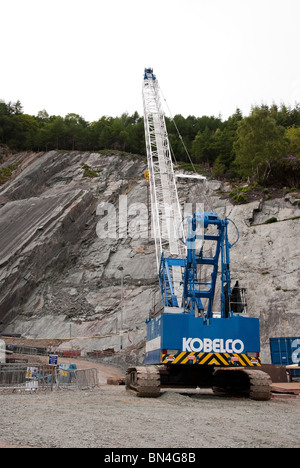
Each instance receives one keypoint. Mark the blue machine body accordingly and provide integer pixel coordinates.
(172, 335)
(189, 332)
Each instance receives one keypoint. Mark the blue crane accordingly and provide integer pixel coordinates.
(188, 342)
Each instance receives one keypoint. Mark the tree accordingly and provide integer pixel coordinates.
(295, 116)
(55, 133)
(260, 144)
(293, 135)
(17, 108)
(136, 132)
(203, 150)
(43, 115)
(105, 139)
(76, 129)
(224, 144)
(3, 108)
(22, 132)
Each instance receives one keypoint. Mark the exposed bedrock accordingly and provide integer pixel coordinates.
(61, 277)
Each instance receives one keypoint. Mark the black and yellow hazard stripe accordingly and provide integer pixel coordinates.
(211, 359)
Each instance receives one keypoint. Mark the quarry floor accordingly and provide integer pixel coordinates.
(110, 417)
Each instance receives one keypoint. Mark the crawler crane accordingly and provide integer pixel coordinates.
(188, 343)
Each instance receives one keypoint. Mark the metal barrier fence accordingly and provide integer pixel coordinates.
(77, 378)
(33, 350)
(41, 377)
(87, 378)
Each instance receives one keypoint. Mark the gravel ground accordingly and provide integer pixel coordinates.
(109, 417)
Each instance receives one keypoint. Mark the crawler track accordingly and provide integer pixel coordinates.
(143, 381)
(251, 383)
(260, 385)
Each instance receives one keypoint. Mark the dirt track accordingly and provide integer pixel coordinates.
(110, 417)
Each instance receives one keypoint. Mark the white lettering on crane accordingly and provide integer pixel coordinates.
(218, 345)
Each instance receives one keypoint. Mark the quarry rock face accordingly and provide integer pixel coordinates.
(77, 259)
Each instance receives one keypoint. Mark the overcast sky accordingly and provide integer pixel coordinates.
(88, 56)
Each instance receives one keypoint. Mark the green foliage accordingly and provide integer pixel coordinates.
(239, 198)
(238, 194)
(199, 168)
(271, 220)
(293, 136)
(290, 190)
(89, 172)
(263, 147)
(287, 171)
(259, 145)
(43, 132)
(6, 173)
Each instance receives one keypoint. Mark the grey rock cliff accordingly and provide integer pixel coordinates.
(58, 278)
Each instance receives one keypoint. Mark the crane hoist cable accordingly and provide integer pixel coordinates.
(178, 132)
(207, 198)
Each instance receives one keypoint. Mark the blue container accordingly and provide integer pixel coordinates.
(286, 351)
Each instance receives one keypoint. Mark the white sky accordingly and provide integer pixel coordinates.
(88, 56)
